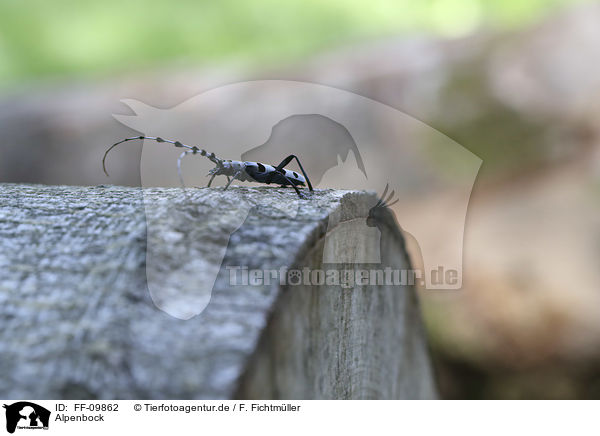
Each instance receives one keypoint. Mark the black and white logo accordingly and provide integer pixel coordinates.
(26, 415)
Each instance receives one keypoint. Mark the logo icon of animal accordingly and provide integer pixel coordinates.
(26, 414)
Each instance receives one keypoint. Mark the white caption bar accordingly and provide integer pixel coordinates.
(299, 417)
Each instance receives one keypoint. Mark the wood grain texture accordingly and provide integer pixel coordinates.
(79, 322)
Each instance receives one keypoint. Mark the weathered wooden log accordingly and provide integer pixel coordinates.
(79, 322)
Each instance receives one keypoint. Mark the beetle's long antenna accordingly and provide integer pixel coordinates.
(193, 149)
(181, 156)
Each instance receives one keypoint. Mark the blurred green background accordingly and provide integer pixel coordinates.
(85, 37)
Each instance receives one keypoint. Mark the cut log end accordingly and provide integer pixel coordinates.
(123, 293)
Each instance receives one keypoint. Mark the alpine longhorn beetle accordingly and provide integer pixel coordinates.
(234, 169)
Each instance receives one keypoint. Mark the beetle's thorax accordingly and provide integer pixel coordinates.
(228, 168)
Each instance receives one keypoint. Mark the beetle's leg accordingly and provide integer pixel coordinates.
(300, 194)
(235, 176)
(287, 160)
(270, 177)
(211, 180)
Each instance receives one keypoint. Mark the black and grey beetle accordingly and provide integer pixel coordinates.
(235, 169)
